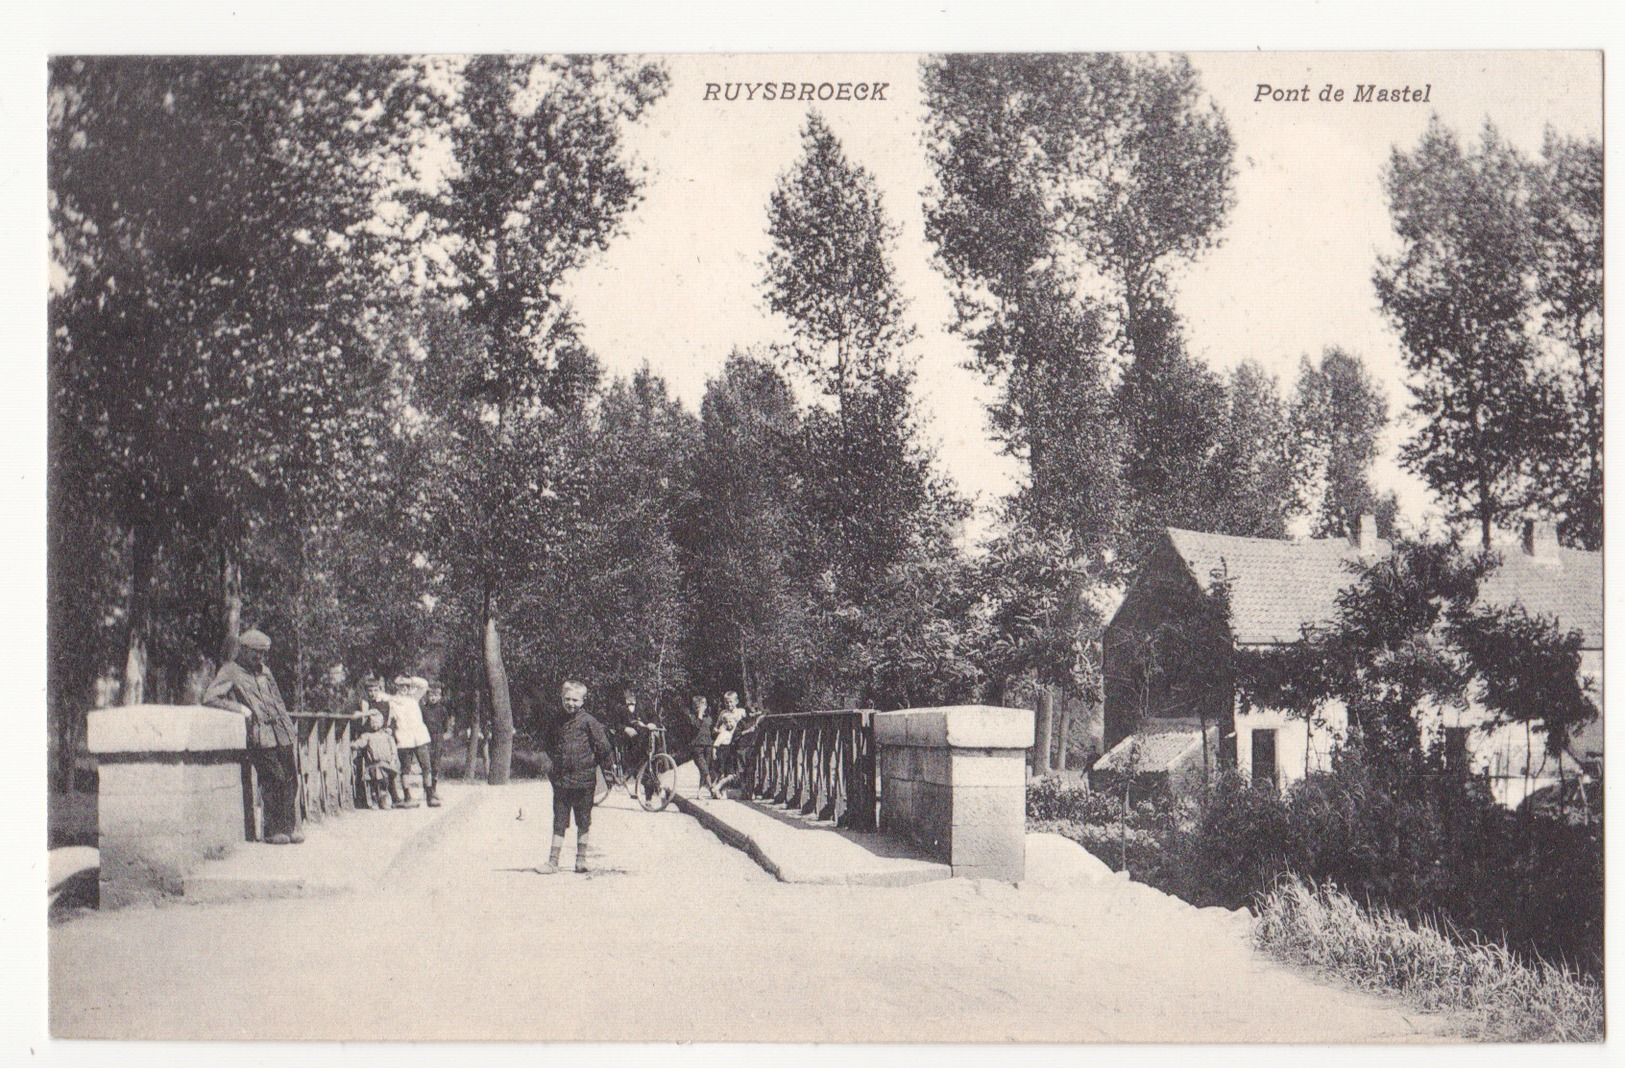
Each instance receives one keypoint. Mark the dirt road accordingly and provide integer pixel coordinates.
(676, 937)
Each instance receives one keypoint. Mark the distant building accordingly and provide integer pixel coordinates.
(1167, 650)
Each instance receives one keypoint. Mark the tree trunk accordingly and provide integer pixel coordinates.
(1201, 718)
(475, 727)
(231, 599)
(1043, 730)
(1064, 733)
(501, 762)
(142, 550)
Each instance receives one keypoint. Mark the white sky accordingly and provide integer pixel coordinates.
(682, 288)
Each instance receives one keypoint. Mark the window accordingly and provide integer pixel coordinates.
(1264, 757)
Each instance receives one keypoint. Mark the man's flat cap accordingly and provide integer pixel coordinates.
(255, 641)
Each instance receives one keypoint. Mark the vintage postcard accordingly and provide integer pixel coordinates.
(1061, 547)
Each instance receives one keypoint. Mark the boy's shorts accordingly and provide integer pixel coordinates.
(567, 800)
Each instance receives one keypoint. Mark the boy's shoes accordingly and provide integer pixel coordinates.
(408, 804)
(277, 839)
(434, 802)
(549, 868)
(296, 838)
(581, 867)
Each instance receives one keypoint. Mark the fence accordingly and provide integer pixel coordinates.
(819, 763)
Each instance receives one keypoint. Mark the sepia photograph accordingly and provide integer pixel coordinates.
(924, 547)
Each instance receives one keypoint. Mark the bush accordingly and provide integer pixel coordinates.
(1062, 798)
(1377, 949)
(1417, 841)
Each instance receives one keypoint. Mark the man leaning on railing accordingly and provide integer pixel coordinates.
(244, 684)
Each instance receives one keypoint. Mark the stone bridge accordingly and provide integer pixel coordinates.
(875, 885)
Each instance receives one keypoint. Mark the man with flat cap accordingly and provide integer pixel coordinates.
(245, 685)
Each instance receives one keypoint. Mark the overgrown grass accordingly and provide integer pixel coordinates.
(1428, 847)
(1500, 997)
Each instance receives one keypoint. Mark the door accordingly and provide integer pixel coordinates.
(1264, 758)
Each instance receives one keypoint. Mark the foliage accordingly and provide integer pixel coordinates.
(1458, 292)
(829, 270)
(540, 182)
(1252, 489)
(1425, 844)
(879, 519)
(1566, 202)
(1501, 997)
(751, 627)
(1057, 177)
(918, 639)
(1526, 669)
(1041, 618)
(608, 610)
(1338, 414)
(209, 359)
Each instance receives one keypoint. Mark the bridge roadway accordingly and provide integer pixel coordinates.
(678, 937)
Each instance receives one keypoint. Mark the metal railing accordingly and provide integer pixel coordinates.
(820, 763)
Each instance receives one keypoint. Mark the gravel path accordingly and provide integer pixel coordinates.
(676, 937)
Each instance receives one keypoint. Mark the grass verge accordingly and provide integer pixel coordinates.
(1497, 996)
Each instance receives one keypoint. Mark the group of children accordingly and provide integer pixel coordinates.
(393, 735)
(579, 748)
(715, 752)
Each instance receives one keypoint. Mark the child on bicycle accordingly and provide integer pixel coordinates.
(640, 743)
(576, 745)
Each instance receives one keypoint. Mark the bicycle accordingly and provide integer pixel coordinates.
(656, 780)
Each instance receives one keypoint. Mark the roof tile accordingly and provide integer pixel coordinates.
(1279, 586)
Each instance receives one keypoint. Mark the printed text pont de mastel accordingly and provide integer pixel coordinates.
(1360, 93)
(796, 91)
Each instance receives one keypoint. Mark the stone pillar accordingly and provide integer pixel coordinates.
(171, 794)
(953, 782)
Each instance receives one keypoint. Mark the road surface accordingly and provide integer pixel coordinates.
(677, 937)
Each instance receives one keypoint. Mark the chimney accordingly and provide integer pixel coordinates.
(1540, 540)
(1365, 534)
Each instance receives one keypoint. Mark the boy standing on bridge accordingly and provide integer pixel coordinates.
(577, 744)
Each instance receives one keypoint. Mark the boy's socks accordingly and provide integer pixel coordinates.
(552, 865)
(581, 854)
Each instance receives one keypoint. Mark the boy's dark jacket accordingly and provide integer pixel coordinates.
(578, 745)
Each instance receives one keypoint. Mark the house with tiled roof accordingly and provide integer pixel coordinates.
(1167, 652)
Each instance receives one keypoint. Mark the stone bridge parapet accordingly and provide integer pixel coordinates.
(953, 783)
(171, 795)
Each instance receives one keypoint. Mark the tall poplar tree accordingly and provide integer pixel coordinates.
(541, 183)
(1458, 293)
(830, 274)
(1338, 417)
(1567, 206)
(1083, 180)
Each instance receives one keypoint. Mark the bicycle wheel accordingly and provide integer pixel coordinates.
(657, 783)
(601, 789)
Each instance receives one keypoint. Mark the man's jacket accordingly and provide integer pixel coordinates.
(579, 745)
(269, 725)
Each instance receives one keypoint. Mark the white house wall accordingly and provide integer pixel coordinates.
(1300, 747)
(1512, 758)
